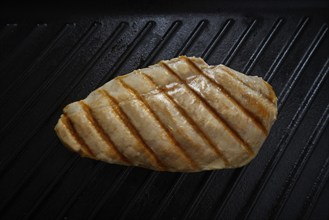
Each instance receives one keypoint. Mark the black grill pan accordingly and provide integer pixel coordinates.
(48, 60)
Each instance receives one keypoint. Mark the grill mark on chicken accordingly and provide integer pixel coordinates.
(73, 132)
(263, 95)
(189, 120)
(166, 112)
(90, 117)
(179, 115)
(151, 112)
(219, 118)
(154, 160)
(253, 117)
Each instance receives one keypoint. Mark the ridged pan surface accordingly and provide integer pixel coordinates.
(47, 63)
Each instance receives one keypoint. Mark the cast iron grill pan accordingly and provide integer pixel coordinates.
(46, 63)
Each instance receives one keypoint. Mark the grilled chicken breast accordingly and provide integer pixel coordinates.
(180, 115)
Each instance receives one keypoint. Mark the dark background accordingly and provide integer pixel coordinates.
(54, 53)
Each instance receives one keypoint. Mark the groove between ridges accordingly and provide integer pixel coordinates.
(28, 71)
(49, 81)
(64, 96)
(115, 67)
(268, 76)
(89, 65)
